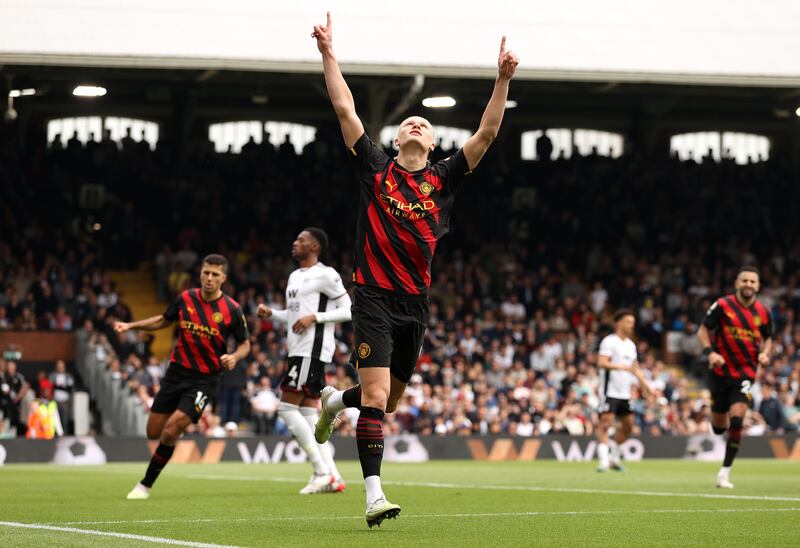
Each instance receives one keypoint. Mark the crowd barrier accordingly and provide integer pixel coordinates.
(402, 448)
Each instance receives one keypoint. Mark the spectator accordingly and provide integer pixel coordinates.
(44, 387)
(63, 386)
(232, 389)
(61, 321)
(14, 389)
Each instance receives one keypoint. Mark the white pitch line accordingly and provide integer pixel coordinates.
(143, 538)
(490, 487)
(440, 516)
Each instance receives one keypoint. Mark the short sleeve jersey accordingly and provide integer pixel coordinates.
(203, 330)
(401, 217)
(617, 383)
(738, 332)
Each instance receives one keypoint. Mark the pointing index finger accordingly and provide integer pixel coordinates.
(502, 46)
(329, 21)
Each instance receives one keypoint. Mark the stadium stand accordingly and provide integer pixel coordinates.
(539, 255)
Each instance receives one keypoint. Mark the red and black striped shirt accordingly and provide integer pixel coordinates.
(738, 334)
(203, 330)
(402, 214)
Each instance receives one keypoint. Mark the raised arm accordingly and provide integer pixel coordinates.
(477, 145)
(340, 95)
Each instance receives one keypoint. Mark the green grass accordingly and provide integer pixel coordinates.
(472, 504)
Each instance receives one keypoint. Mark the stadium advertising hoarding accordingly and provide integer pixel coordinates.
(404, 448)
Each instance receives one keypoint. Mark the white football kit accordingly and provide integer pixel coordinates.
(617, 383)
(316, 290)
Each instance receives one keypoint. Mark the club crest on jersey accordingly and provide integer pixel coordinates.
(217, 317)
(426, 188)
(363, 350)
(757, 321)
(731, 315)
(190, 309)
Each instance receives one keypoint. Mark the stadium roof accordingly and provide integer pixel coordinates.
(229, 95)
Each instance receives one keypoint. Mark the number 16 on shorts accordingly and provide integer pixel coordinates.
(200, 401)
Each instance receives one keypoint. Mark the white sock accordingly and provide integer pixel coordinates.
(301, 431)
(602, 454)
(373, 485)
(725, 471)
(615, 454)
(311, 415)
(335, 403)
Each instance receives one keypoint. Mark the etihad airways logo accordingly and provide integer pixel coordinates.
(401, 208)
(741, 334)
(198, 329)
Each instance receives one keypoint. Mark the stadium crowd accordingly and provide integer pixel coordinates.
(539, 256)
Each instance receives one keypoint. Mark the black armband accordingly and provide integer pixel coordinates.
(707, 351)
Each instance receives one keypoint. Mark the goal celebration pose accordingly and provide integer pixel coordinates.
(403, 211)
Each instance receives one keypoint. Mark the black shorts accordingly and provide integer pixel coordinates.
(620, 408)
(389, 329)
(186, 390)
(725, 391)
(305, 375)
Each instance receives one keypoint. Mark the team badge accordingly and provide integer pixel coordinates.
(190, 309)
(426, 188)
(363, 350)
(757, 321)
(217, 317)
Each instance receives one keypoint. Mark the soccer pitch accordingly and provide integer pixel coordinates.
(445, 503)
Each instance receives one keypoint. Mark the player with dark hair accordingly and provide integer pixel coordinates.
(619, 371)
(206, 319)
(404, 209)
(741, 328)
(315, 301)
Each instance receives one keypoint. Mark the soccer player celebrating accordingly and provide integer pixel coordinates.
(206, 319)
(619, 370)
(315, 301)
(742, 340)
(404, 208)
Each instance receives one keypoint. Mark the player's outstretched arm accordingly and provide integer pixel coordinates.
(477, 145)
(153, 323)
(264, 311)
(340, 95)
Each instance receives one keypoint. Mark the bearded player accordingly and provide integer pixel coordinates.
(737, 337)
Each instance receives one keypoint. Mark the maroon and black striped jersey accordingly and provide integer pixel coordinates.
(204, 329)
(401, 216)
(738, 332)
